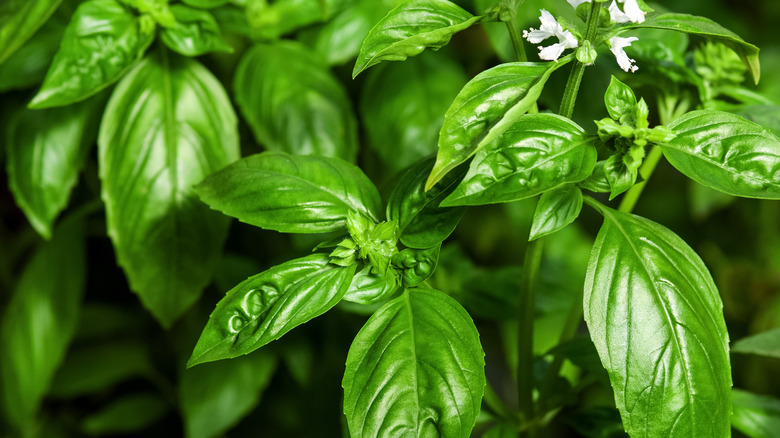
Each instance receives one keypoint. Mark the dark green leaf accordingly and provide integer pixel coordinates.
(169, 123)
(264, 307)
(39, 322)
(27, 66)
(620, 102)
(556, 209)
(293, 103)
(205, 4)
(757, 416)
(421, 221)
(19, 19)
(763, 344)
(102, 41)
(597, 181)
(368, 287)
(725, 152)
(415, 369)
(416, 265)
(619, 176)
(291, 193)
(409, 29)
(216, 396)
(538, 153)
(271, 21)
(196, 33)
(656, 319)
(131, 413)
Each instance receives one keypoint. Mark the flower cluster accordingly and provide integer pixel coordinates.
(550, 28)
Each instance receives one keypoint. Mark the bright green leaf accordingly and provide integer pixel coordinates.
(416, 265)
(27, 66)
(763, 344)
(368, 287)
(205, 4)
(131, 413)
(196, 33)
(757, 416)
(281, 17)
(19, 19)
(621, 102)
(556, 209)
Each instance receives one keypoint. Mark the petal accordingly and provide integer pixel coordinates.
(567, 39)
(575, 3)
(618, 44)
(617, 15)
(536, 36)
(551, 53)
(549, 23)
(636, 15)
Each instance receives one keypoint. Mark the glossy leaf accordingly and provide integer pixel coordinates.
(763, 344)
(27, 66)
(403, 106)
(409, 29)
(757, 416)
(216, 396)
(725, 152)
(19, 19)
(556, 209)
(291, 193)
(618, 175)
(131, 413)
(421, 221)
(489, 104)
(263, 308)
(101, 43)
(39, 322)
(368, 287)
(415, 369)
(46, 151)
(196, 33)
(416, 265)
(620, 102)
(169, 123)
(597, 181)
(293, 103)
(539, 152)
(656, 319)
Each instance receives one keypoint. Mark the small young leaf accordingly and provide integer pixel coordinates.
(757, 416)
(291, 193)
(263, 308)
(19, 19)
(416, 265)
(725, 152)
(763, 344)
(411, 28)
(368, 287)
(620, 177)
(597, 181)
(538, 153)
(196, 33)
(415, 369)
(102, 42)
(131, 413)
(621, 102)
(556, 209)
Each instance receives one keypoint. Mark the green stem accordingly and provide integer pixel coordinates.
(578, 70)
(527, 307)
(517, 39)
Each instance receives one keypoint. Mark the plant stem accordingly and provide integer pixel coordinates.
(517, 39)
(632, 195)
(577, 71)
(526, 311)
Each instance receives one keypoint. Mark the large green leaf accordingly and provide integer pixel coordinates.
(725, 152)
(102, 41)
(19, 19)
(763, 344)
(291, 193)
(757, 416)
(538, 153)
(196, 33)
(293, 103)
(216, 396)
(46, 151)
(656, 319)
(263, 308)
(169, 123)
(409, 29)
(415, 369)
(39, 322)
(489, 104)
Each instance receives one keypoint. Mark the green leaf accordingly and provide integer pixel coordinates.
(656, 319)
(19, 19)
(621, 102)
(416, 265)
(767, 116)
(403, 106)
(619, 176)
(597, 181)
(205, 4)
(27, 66)
(101, 43)
(263, 308)
(538, 153)
(415, 369)
(46, 151)
(409, 29)
(291, 193)
(486, 107)
(40, 321)
(725, 152)
(421, 221)
(271, 21)
(216, 396)
(757, 416)
(196, 33)
(169, 123)
(131, 413)
(763, 344)
(709, 29)
(295, 106)
(369, 287)
(556, 209)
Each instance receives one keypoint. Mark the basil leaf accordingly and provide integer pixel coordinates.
(709, 29)
(757, 416)
(421, 221)
(403, 106)
(416, 265)
(368, 287)
(131, 413)
(538, 153)
(725, 152)
(291, 193)
(40, 321)
(102, 41)
(215, 396)
(46, 151)
(27, 66)
(271, 21)
(295, 106)
(19, 19)
(597, 181)
(169, 123)
(205, 4)
(416, 368)
(763, 344)
(409, 29)
(263, 308)
(619, 176)
(621, 102)
(196, 33)
(555, 210)
(656, 319)
(489, 104)
(767, 116)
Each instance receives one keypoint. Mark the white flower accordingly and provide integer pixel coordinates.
(630, 13)
(550, 28)
(575, 3)
(617, 46)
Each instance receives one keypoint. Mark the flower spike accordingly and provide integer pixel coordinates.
(550, 28)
